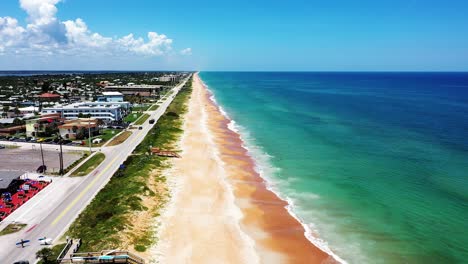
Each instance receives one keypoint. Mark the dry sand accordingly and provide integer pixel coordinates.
(221, 211)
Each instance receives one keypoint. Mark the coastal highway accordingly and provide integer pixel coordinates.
(54, 223)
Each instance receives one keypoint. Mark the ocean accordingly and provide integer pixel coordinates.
(374, 164)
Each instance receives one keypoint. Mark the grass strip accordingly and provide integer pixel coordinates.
(120, 138)
(12, 228)
(106, 220)
(153, 108)
(89, 165)
(142, 119)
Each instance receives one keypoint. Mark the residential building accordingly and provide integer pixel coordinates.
(136, 89)
(79, 128)
(167, 78)
(105, 111)
(43, 126)
(110, 97)
(8, 131)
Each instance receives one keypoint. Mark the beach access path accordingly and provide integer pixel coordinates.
(54, 222)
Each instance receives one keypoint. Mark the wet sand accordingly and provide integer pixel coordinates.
(221, 211)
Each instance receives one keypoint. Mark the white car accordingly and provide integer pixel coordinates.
(45, 241)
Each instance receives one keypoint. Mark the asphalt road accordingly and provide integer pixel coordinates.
(56, 222)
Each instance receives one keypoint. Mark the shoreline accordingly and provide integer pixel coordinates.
(248, 199)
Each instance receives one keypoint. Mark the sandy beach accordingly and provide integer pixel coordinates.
(221, 210)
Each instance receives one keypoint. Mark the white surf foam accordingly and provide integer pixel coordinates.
(266, 170)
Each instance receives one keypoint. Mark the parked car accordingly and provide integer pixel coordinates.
(151, 121)
(140, 128)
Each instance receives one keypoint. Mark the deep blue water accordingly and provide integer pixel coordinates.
(376, 164)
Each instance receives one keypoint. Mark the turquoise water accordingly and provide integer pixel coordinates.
(376, 164)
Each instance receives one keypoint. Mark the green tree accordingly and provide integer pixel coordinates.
(45, 254)
(18, 122)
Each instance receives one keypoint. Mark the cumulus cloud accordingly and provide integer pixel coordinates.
(187, 51)
(44, 32)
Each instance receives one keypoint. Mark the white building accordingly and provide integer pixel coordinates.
(106, 111)
(167, 78)
(110, 97)
(28, 110)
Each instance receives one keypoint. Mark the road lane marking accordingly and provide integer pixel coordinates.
(82, 193)
(31, 228)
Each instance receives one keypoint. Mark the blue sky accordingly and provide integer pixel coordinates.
(333, 35)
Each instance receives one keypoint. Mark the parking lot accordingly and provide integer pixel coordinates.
(29, 158)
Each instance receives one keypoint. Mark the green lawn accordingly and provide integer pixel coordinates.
(141, 108)
(89, 165)
(142, 119)
(106, 135)
(132, 117)
(101, 223)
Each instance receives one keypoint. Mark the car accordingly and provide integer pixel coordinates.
(151, 121)
(12, 139)
(21, 262)
(2, 147)
(140, 128)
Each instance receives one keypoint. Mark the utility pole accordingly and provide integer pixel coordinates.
(42, 155)
(89, 134)
(61, 157)
(60, 154)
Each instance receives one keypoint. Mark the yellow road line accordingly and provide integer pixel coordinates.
(88, 187)
(82, 193)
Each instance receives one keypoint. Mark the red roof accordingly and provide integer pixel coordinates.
(49, 95)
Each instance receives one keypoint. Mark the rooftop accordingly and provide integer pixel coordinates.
(112, 93)
(49, 95)
(6, 177)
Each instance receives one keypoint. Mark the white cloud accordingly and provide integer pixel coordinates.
(46, 34)
(187, 51)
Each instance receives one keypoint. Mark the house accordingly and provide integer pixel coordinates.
(8, 131)
(49, 97)
(110, 97)
(43, 126)
(79, 128)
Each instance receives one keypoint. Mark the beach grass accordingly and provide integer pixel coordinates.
(109, 220)
(89, 165)
(119, 139)
(12, 228)
(142, 119)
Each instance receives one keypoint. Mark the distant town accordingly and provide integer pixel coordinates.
(49, 107)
